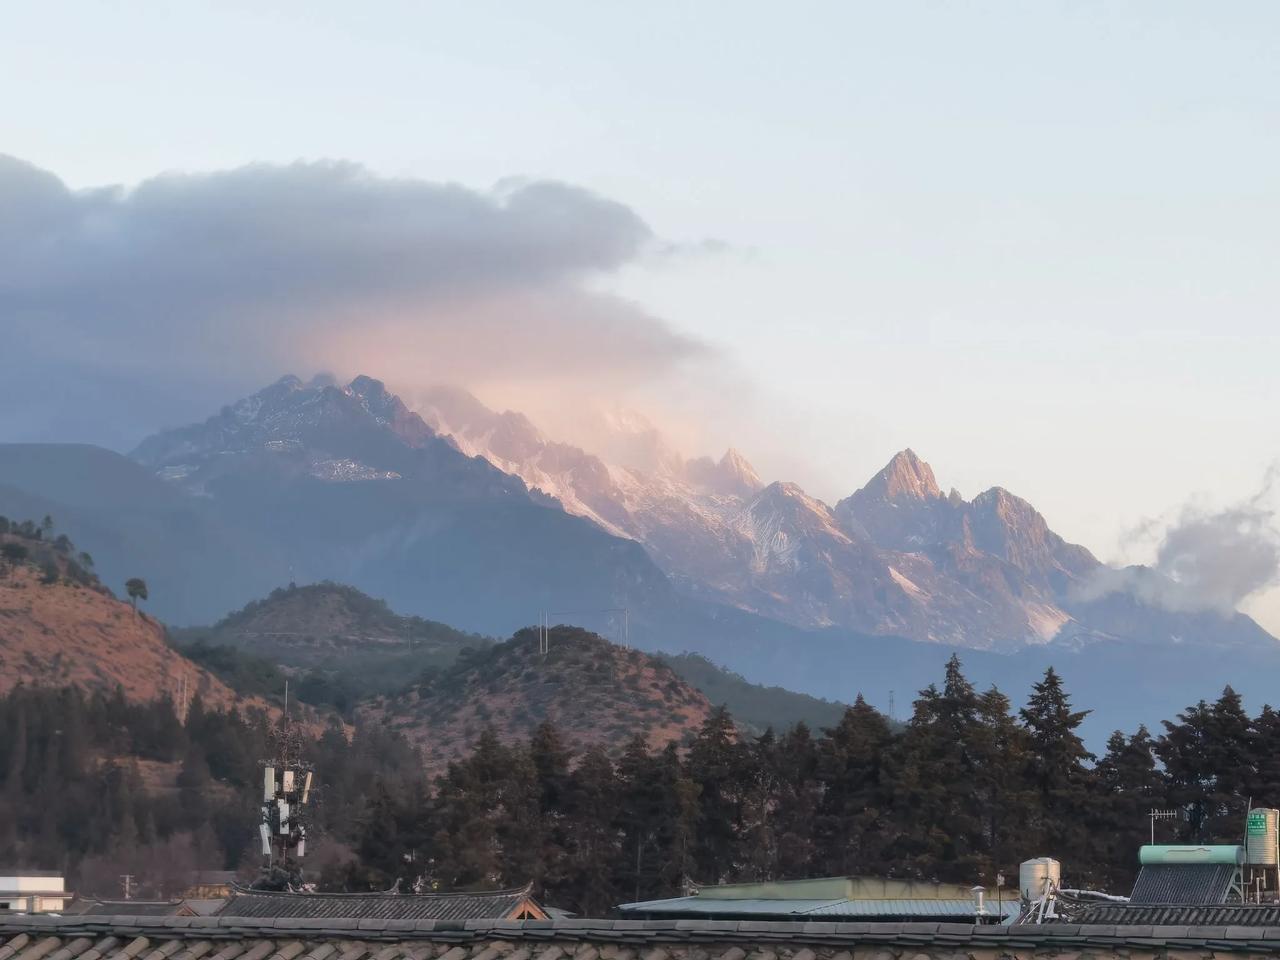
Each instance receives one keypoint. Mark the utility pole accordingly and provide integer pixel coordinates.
(126, 880)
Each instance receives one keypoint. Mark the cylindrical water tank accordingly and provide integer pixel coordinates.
(1036, 876)
(1262, 837)
(1204, 853)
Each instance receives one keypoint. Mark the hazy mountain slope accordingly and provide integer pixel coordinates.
(755, 706)
(198, 560)
(596, 693)
(59, 632)
(331, 615)
(315, 482)
(339, 644)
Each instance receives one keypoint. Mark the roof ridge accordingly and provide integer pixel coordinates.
(237, 891)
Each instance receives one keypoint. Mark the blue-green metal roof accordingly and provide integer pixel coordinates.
(842, 908)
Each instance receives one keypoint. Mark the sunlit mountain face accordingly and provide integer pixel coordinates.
(898, 556)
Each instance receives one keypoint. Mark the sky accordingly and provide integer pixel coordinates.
(1033, 242)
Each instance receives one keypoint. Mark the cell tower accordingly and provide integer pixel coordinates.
(286, 792)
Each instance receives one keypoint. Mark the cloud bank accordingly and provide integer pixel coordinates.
(220, 282)
(1204, 559)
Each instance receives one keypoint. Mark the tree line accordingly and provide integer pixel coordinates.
(28, 542)
(966, 788)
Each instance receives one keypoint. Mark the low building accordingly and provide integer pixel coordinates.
(130, 908)
(831, 898)
(211, 885)
(513, 904)
(32, 891)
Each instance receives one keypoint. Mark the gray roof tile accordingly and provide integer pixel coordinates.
(494, 905)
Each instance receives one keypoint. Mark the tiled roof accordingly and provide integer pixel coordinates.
(127, 908)
(489, 905)
(227, 938)
(1183, 883)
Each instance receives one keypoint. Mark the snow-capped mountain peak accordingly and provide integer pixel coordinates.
(905, 477)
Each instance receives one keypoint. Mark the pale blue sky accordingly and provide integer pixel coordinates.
(1036, 242)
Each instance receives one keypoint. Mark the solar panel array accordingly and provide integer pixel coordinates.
(1184, 883)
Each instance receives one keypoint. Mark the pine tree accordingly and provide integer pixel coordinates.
(716, 766)
(1003, 796)
(592, 835)
(852, 825)
(1128, 785)
(940, 823)
(551, 762)
(1058, 765)
(1184, 749)
(798, 800)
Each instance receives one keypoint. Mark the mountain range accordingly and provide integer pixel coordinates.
(895, 557)
(461, 514)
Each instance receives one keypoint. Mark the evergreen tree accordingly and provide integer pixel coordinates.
(941, 830)
(797, 803)
(716, 768)
(1210, 765)
(1128, 785)
(1006, 801)
(588, 881)
(853, 824)
(1059, 770)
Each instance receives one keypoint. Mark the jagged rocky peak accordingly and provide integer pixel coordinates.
(901, 507)
(1011, 528)
(510, 436)
(373, 394)
(389, 410)
(732, 475)
(734, 464)
(791, 499)
(905, 477)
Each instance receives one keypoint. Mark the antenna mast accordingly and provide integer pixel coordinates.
(1160, 815)
(286, 791)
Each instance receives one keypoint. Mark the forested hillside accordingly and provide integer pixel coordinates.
(342, 647)
(967, 787)
(339, 645)
(98, 786)
(594, 692)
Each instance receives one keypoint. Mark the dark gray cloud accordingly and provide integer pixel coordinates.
(218, 282)
(1204, 559)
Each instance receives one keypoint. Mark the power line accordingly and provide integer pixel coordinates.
(544, 639)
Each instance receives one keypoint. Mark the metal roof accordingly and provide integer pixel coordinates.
(1205, 915)
(484, 905)
(813, 909)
